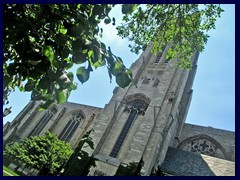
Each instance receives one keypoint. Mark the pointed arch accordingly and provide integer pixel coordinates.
(53, 108)
(74, 112)
(43, 121)
(77, 118)
(136, 104)
(204, 144)
(137, 96)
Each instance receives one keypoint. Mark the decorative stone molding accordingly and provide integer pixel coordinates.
(204, 144)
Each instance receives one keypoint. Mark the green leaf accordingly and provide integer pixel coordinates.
(77, 44)
(96, 55)
(70, 76)
(74, 31)
(65, 52)
(48, 52)
(73, 87)
(97, 9)
(60, 96)
(82, 74)
(90, 54)
(110, 75)
(79, 57)
(114, 21)
(99, 63)
(117, 68)
(123, 80)
(128, 8)
(68, 65)
(6, 80)
(44, 83)
(61, 39)
(11, 69)
(107, 20)
(128, 72)
(89, 67)
(21, 88)
(29, 86)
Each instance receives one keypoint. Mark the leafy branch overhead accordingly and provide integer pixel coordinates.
(42, 42)
(183, 26)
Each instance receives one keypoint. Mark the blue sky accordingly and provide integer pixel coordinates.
(213, 102)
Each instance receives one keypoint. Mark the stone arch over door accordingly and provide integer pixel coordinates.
(204, 144)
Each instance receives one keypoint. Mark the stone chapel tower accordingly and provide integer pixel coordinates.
(140, 123)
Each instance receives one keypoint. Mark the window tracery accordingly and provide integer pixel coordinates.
(201, 146)
(69, 129)
(204, 144)
(134, 107)
(42, 122)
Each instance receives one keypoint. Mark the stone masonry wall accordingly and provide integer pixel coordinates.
(224, 137)
(23, 126)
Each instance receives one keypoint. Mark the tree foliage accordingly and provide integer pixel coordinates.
(43, 41)
(183, 26)
(45, 153)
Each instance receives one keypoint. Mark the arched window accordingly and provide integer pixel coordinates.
(203, 144)
(71, 126)
(134, 107)
(43, 121)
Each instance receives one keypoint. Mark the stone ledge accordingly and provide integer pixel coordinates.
(107, 159)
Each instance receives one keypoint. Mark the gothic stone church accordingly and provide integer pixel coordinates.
(144, 123)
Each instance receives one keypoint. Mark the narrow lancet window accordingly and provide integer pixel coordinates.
(158, 58)
(69, 129)
(43, 122)
(135, 107)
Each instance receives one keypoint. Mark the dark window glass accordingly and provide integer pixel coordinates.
(42, 123)
(64, 130)
(159, 55)
(158, 58)
(166, 61)
(72, 131)
(136, 106)
(71, 127)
